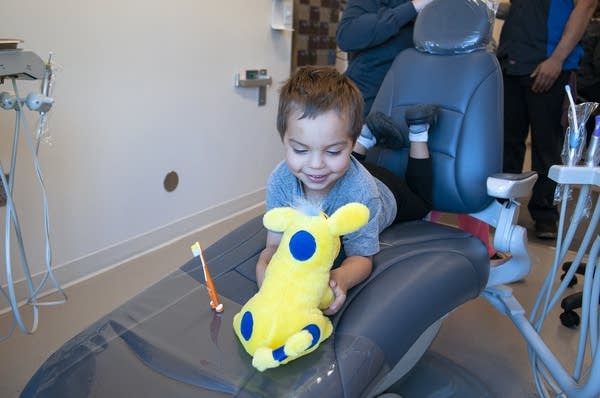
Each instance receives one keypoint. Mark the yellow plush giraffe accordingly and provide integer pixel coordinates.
(283, 321)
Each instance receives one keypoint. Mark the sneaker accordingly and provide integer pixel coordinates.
(546, 229)
(422, 114)
(386, 131)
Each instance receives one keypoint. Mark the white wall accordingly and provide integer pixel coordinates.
(146, 87)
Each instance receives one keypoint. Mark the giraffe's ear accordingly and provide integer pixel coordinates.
(348, 218)
(279, 218)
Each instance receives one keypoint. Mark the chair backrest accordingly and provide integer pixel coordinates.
(452, 67)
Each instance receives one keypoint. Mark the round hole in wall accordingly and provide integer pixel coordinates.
(171, 181)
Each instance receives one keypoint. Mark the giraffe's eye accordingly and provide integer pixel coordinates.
(302, 245)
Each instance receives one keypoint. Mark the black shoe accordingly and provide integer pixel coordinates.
(421, 114)
(546, 229)
(386, 131)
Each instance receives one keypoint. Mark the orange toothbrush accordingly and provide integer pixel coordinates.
(210, 286)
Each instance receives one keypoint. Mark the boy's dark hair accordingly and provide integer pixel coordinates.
(314, 90)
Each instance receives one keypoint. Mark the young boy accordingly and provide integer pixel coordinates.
(319, 120)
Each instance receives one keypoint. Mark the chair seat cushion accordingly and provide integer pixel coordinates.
(167, 342)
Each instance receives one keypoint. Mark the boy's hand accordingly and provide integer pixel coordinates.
(339, 298)
(352, 271)
(273, 240)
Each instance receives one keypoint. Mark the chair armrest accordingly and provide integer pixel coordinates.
(511, 186)
(503, 216)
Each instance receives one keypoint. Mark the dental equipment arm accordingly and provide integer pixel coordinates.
(19, 64)
(550, 376)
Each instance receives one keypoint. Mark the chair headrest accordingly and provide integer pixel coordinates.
(454, 26)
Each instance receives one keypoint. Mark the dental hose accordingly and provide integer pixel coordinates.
(12, 220)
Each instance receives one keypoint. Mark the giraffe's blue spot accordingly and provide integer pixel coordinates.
(315, 332)
(302, 245)
(279, 354)
(246, 325)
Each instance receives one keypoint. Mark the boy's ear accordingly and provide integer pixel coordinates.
(279, 218)
(348, 218)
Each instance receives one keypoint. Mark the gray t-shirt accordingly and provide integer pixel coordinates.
(356, 185)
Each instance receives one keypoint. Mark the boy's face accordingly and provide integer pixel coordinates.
(317, 151)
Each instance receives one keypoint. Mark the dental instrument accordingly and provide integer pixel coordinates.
(593, 152)
(26, 65)
(575, 139)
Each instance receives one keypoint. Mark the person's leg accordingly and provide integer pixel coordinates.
(413, 196)
(590, 93)
(409, 204)
(365, 141)
(547, 138)
(516, 125)
(419, 169)
(380, 129)
(419, 177)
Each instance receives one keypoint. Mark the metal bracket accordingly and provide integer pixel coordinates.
(255, 78)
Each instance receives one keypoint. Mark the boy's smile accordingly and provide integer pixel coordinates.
(317, 151)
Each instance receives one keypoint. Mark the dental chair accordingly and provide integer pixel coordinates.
(167, 342)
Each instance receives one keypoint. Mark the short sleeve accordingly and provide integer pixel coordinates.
(365, 241)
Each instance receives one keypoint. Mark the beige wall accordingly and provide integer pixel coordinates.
(145, 88)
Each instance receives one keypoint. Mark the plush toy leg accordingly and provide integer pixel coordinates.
(297, 344)
(263, 359)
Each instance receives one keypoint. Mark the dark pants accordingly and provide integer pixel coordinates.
(590, 93)
(542, 111)
(413, 196)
